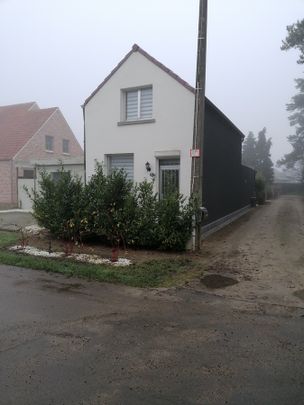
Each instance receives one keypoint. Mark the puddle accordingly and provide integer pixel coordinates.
(299, 294)
(217, 281)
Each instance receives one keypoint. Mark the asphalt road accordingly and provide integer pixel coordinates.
(65, 341)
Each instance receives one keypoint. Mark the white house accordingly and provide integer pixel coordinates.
(140, 119)
(141, 116)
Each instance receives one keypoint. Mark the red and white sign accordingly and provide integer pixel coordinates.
(195, 153)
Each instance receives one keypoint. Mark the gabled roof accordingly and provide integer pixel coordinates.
(138, 49)
(18, 107)
(18, 124)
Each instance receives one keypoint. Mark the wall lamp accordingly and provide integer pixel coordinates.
(148, 167)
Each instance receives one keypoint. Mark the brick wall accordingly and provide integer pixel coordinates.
(58, 128)
(6, 197)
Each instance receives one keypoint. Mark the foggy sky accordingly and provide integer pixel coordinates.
(56, 52)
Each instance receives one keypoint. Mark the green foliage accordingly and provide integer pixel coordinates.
(112, 208)
(7, 238)
(59, 205)
(260, 188)
(295, 39)
(174, 222)
(143, 231)
(295, 159)
(111, 205)
(153, 273)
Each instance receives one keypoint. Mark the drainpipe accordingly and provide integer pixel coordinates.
(84, 145)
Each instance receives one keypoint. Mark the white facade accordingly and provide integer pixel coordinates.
(167, 134)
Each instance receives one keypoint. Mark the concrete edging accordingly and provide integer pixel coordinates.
(215, 226)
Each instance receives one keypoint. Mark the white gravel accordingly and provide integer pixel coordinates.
(33, 229)
(80, 257)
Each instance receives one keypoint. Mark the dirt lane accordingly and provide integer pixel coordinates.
(264, 252)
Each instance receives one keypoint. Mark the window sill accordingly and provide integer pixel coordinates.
(136, 122)
(49, 151)
(66, 154)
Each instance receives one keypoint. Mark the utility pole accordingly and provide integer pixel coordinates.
(199, 120)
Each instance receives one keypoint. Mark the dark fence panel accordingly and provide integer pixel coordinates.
(227, 185)
(248, 185)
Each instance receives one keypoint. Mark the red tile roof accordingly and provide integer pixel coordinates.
(18, 124)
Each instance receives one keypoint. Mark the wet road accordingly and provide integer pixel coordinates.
(65, 341)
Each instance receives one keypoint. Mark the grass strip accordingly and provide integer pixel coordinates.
(153, 273)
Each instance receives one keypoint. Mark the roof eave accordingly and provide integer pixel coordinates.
(225, 118)
(137, 48)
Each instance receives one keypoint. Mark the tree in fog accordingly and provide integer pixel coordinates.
(249, 152)
(295, 39)
(256, 154)
(264, 164)
(295, 159)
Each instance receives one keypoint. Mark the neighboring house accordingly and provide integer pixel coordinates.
(140, 119)
(30, 174)
(27, 134)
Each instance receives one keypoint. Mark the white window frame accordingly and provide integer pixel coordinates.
(139, 97)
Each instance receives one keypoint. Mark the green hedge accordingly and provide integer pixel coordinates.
(114, 209)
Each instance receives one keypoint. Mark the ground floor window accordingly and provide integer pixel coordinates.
(122, 161)
(169, 176)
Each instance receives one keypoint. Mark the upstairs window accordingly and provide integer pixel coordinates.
(49, 143)
(65, 146)
(138, 104)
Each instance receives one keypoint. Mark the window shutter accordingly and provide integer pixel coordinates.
(125, 162)
(132, 105)
(146, 103)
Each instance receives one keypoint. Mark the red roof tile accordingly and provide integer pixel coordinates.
(18, 124)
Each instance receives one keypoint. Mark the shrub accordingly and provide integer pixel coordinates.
(143, 231)
(111, 208)
(174, 217)
(59, 205)
(111, 205)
